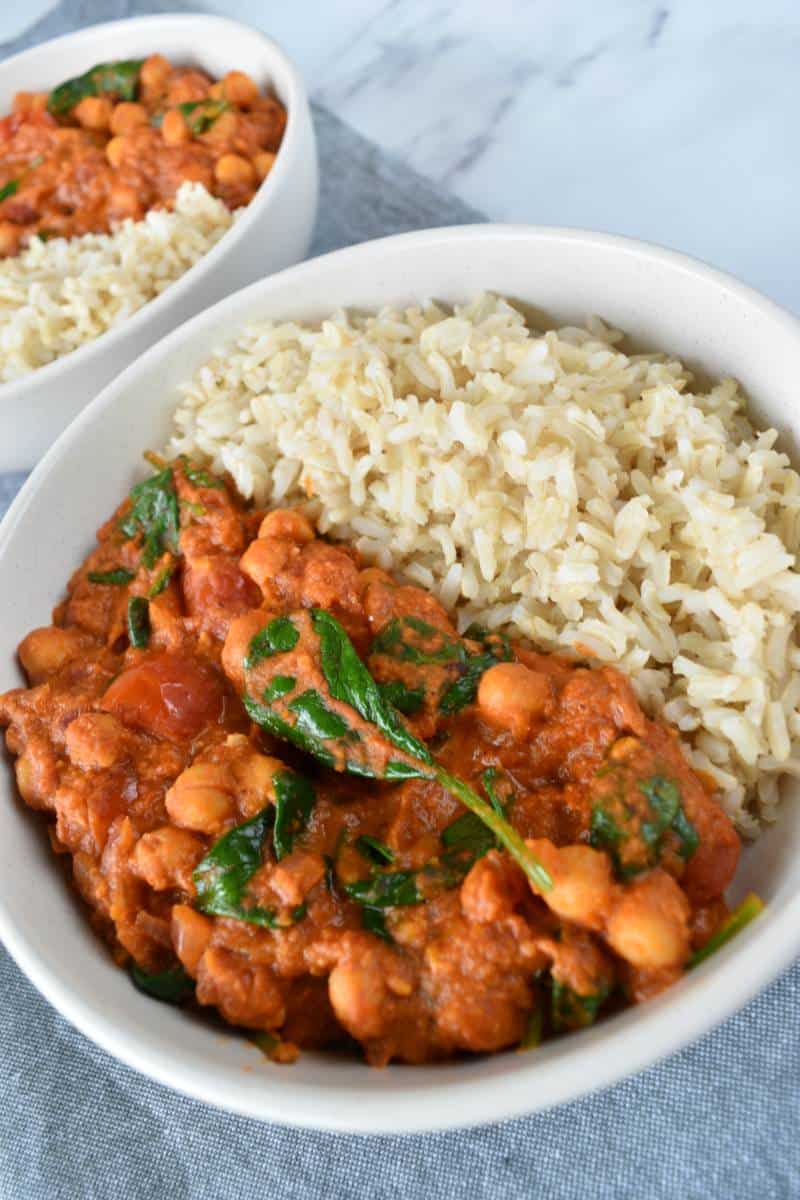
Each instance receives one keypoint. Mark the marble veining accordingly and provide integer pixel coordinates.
(671, 121)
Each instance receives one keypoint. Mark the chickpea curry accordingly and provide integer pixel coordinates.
(121, 139)
(292, 792)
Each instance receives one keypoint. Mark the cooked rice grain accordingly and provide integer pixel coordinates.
(59, 294)
(548, 483)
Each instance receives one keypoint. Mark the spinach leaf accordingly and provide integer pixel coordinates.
(374, 850)
(161, 580)
(200, 115)
(154, 514)
(350, 682)
(269, 720)
(734, 923)
(138, 622)
(386, 889)
(171, 986)
(294, 800)
(468, 837)
(222, 877)
(401, 639)
(570, 1010)
(632, 823)
(278, 687)
(315, 719)
(405, 699)
(119, 576)
(533, 1030)
(279, 636)
(488, 779)
(9, 189)
(122, 78)
(374, 921)
(460, 693)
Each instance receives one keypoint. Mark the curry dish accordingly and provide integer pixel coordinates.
(121, 139)
(292, 792)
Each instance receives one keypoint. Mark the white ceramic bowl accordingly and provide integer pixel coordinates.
(666, 302)
(273, 232)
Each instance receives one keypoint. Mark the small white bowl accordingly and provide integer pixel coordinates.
(666, 302)
(273, 232)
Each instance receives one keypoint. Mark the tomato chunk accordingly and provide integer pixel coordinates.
(167, 695)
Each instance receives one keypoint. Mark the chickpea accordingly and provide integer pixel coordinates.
(583, 887)
(95, 741)
(93, 112)
(124, 202)
(264, 163)
(201, 798)
(288, 525)
(165, 858)
(115, 151)
(512, 696)
(233, 169)
(128, 116)
(10, 235)
(649, 925)
(217, 90)
(45, 651)
(191, 933)
(224, 128)
(264, 558)
(357, 993)
(26, 778)
(154, 73)
(174, 129)
(253, 775)
(28, 102)
(294, 876)
(240, 88)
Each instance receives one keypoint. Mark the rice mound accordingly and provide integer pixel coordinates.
(546, 483)
(63, 292)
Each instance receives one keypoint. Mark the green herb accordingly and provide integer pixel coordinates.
(277, 637)
(386, 889)
(533, 1030)
(44, 235)
(278, 687)
(121, 78)
(374, 921)
(374, 850)
(350, 683)
(171, 986)
(161, 580)
(9, 189)
(119, 576)
(154, 515)
(199, 477)
(200, 115)
(294, 800)
(570, 1010)
(138, 622)
(405, 699)
(734, 923)
(633, 823)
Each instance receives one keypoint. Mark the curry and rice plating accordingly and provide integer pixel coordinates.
(293, 792)
(112, 186)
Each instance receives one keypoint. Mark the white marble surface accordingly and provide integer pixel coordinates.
(670, 120)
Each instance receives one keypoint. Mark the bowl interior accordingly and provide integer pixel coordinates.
(664, 302)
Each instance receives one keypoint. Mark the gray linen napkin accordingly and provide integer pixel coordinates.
(715, 1122)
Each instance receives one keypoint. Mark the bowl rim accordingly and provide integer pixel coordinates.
(593, 1059)
(296, 101)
